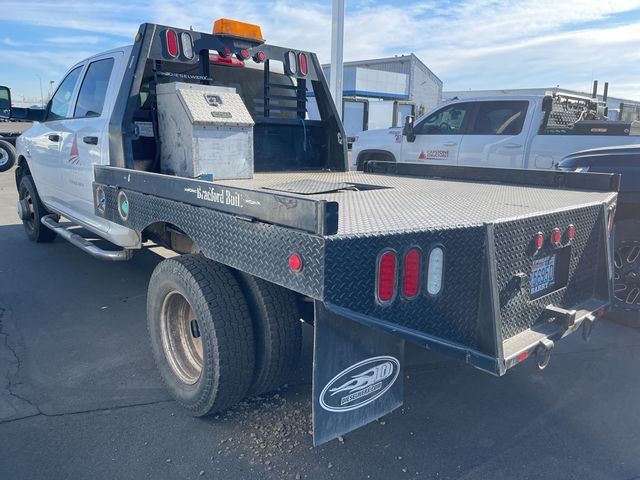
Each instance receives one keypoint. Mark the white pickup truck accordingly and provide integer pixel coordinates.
(524, 131)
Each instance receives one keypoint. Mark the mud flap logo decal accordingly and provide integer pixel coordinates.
(360, 384)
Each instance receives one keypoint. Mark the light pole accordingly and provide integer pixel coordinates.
(41, 94)
(337, 47)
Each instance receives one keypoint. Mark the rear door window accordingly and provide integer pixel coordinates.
(448, 120)
(61, 101)
(500, 118)
(94, 89)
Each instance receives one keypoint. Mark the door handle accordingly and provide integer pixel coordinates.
(450, 144)
(90, 140)
(54, 137)
(512, 145)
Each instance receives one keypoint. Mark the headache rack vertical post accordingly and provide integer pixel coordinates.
(267, 88)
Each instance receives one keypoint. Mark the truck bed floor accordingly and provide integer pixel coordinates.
(382, 204)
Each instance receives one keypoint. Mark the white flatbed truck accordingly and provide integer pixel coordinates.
(489, 266)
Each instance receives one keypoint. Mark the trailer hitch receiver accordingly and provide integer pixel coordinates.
(566, 318)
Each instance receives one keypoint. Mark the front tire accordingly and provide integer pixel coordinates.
(7, 155)
(35, 210)
(201, 333)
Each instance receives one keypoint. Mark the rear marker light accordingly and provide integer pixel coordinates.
(243, 54)
(601, 312)
(539, 240)
(302, 64)
(411, 278)
(187, 45)
(172, 43)
(386, 280)
(523, 356)
(571, 232)
(226, 51)
(259, 57)
(556, 236)
(436, 271)
(295, 262)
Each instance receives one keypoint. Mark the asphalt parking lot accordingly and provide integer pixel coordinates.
(80, 397)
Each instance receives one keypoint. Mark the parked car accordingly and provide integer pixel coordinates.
(507, 131)
(624, 160)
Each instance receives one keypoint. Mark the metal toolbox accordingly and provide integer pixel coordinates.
(208, 132)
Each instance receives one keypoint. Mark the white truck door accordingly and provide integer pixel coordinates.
(44, 139)
(497, 136)
(85, 141)
(438, 136)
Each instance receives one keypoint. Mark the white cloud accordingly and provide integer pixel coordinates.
(9, 42)
(470, 44)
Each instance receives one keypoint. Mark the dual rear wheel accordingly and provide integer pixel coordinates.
(218, 335)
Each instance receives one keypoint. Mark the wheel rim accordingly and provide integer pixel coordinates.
(30, 222)
(4, 157)
(627, 275)
(181, 338)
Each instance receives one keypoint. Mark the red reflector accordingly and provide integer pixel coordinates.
(523, 356)
(260, 57)
(302, 64)
(411, 279)
(386, 288)
(295, 262)
(571, 232)
(172, 43)
(539, 240)
(601, 312)
(556, 236)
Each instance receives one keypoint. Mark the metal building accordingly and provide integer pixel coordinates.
(379, 93)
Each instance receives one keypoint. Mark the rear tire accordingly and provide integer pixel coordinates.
(201, 333)
(277, 332)
(33, 226)
(627, 274)
(7, 156)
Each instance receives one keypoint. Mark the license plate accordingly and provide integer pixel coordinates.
(543, 274)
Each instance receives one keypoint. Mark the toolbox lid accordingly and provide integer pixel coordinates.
(209, 105)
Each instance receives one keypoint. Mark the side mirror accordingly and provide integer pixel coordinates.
(5, 102)
(407, 130)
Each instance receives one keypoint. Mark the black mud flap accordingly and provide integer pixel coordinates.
(357, 374)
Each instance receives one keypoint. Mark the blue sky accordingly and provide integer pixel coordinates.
(469, 44)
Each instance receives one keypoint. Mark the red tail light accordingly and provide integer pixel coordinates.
(411, 278)
(172, 43)
(539, 240)
(259, 57)
(386, 281)
(571, 232)
(556, 236)
(244, 54)
(302, 64)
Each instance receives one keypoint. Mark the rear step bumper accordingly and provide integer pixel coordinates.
(84, 244)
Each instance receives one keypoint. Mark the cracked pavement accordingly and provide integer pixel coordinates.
(80, 397)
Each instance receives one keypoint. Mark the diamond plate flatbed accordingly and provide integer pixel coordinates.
(406, 204)
(339, 222)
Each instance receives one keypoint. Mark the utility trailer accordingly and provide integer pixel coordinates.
(489, 266)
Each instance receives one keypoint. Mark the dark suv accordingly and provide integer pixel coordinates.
(624, 160)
